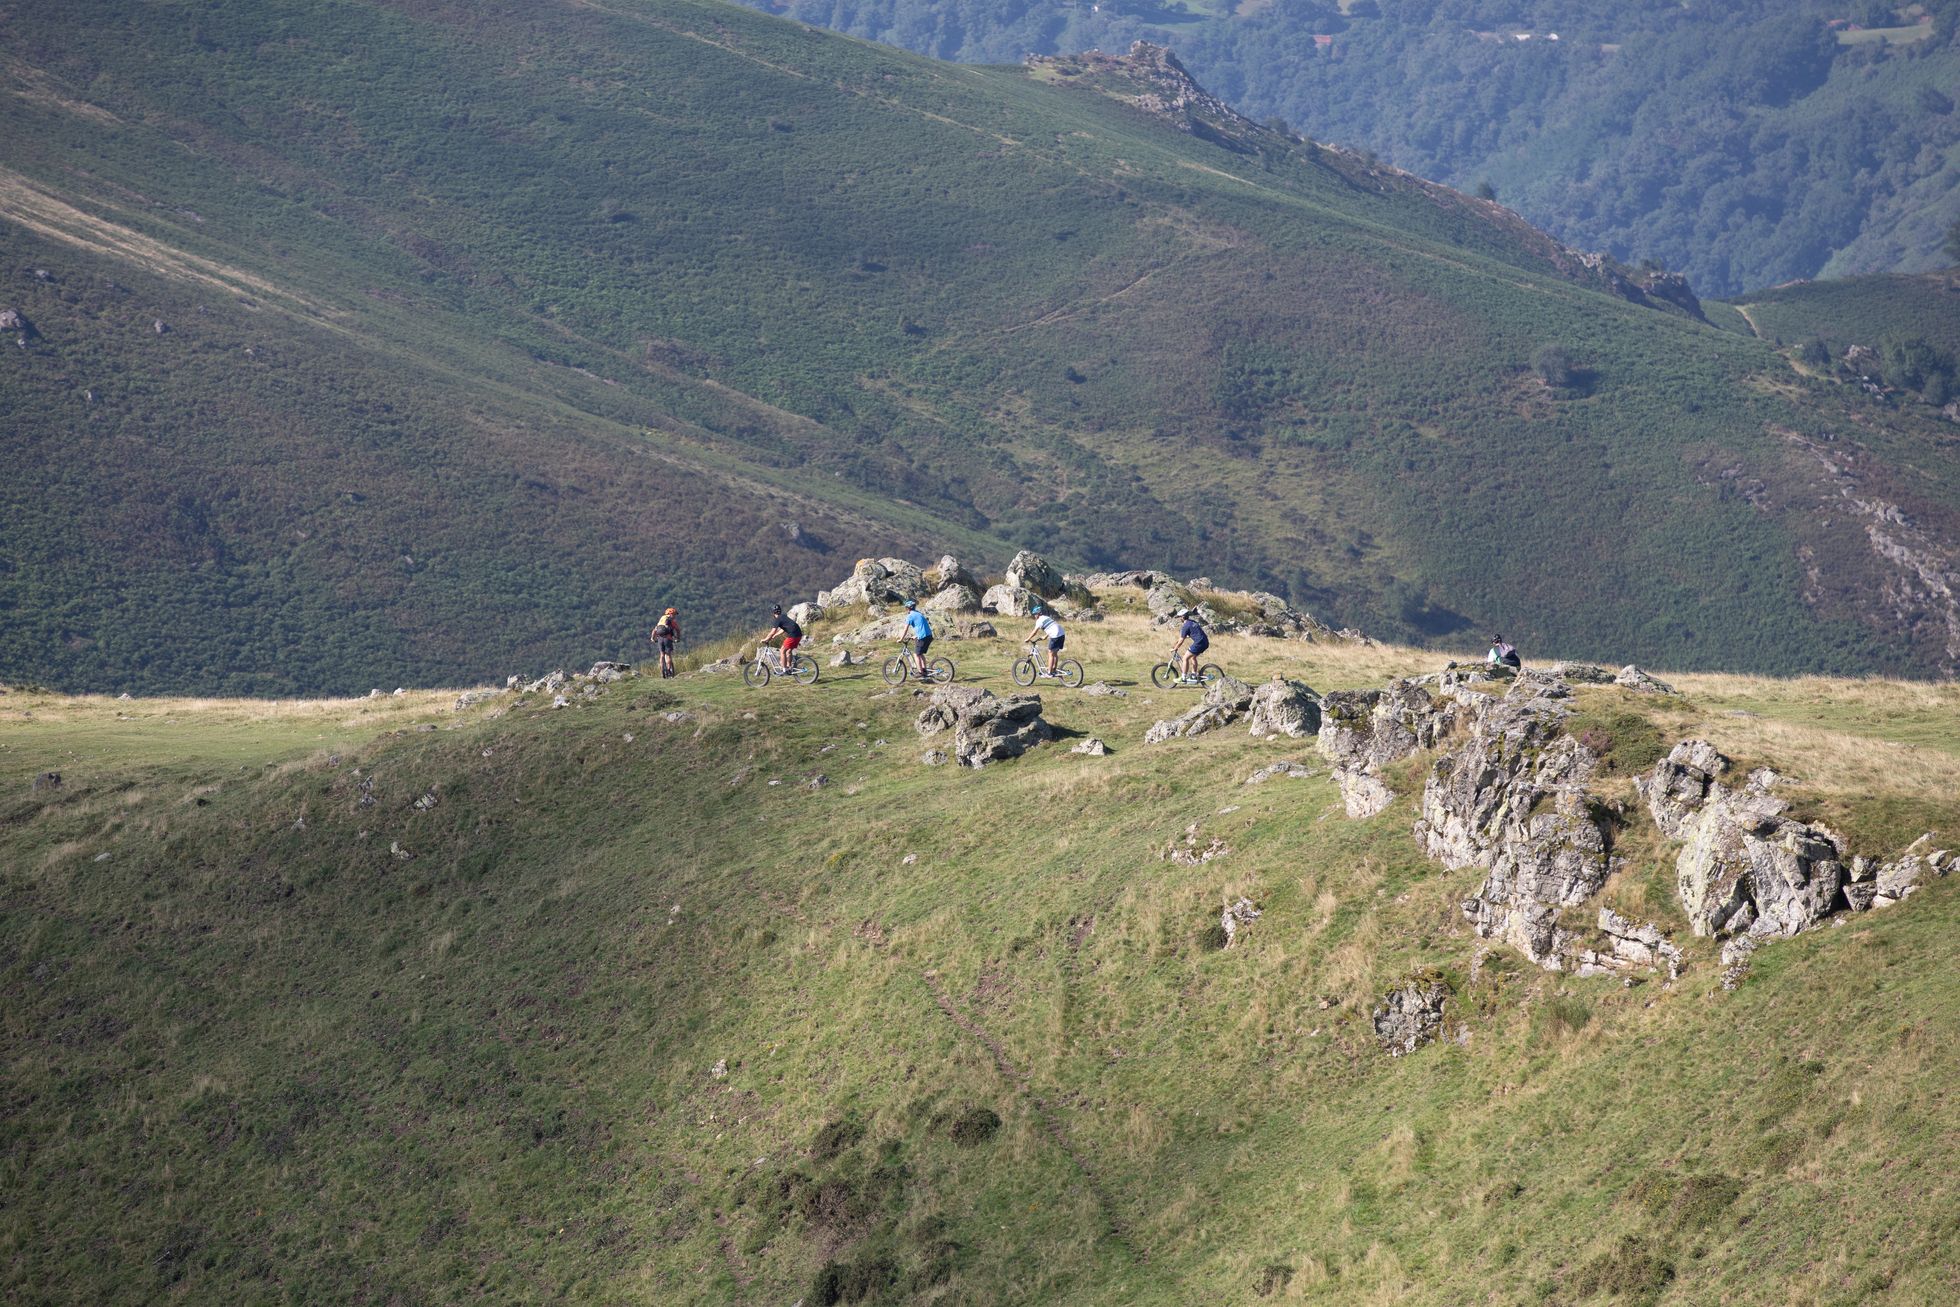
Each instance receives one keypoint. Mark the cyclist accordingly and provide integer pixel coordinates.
(792, 632)
(666, 633)
(1046, 627)
(920, 630)
(1192, 639)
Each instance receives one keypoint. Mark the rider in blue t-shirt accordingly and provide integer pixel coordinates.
(920, 631)
(1192, 639)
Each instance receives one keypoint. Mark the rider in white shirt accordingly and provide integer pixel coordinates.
(1046, 627)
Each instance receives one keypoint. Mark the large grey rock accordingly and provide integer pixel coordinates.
(1236, 918)
(1363, 731)
(1627, 947)
(856, 589)
(1634, 679)
(1008, 601)
(1030, 571)
(877, 581)
(1143, 579)
(1900, 878)
(1166, 597)
(1512, 800)
(956, 598)
(947, 572)
(1744, 865)
(902, 581)
(985, 728)
(1283, 707)
(1225, 701)
(1410, 1015)
(1582, 673)
(806, 614)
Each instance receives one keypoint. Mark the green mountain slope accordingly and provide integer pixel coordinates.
(336, 1001)
(1746, 143)
(491, 328)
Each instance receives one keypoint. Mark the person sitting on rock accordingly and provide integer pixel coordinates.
(792, 632)
(920, 631)
(1046, 627)
(1192, 638)
(666, 633)
(1503, 655)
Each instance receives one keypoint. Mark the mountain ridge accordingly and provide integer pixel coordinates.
(1107, 340)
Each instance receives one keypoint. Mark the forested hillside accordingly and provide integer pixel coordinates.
(1745, 142)
(363, 344)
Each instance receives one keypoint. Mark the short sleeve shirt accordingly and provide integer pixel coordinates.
(916, 623)
(788, 626)
(1191, 630)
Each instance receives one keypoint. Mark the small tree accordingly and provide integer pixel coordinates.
(1485, 191)
(1555, 366)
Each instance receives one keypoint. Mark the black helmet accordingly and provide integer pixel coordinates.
(777, 610)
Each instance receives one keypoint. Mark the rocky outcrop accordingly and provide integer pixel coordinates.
(1512, 800)
(1236, 918)
(956, 598)
(1582, 673)
(949, 572)
(1626, 947)
(985, 728)
(806, 614)
(1008, 601)
(1030, 571)
(1633, 678)
(1745, 866)
(1142, 579)
(1283, 707)
(1873, 884)
(877, 581)
(1272, 770)
(1411, 1014)
(1363, 731)
(1224, 702)
(1166, 597)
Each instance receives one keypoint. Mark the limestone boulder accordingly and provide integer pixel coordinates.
(806, 614)
(1363, 731)
(1009, 601)
(956, 598)
(1512, 800)
(1744, 865)
(1410, 1015)
(1030, 571)
(949, 572)
(1283, 707)
(1582, 673)
(1224, 702)
(985, 728)
(1634, 679)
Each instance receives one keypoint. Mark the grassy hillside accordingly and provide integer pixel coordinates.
(379, 1000)
(490, 329)
(1745, 143)
(1862, 311)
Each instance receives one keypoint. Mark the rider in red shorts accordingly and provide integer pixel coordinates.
(791, 631)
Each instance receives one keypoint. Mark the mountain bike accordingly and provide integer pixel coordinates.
(802, 669)
(1031, 668)
(1166, 676)
(939, 671)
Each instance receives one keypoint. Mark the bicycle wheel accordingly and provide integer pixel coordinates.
(1210, 673)
(1163, 676)
(1023, 672)
(804, 669)
(1071, 673)
(942, 670)
(756, 674)
(896, 669)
